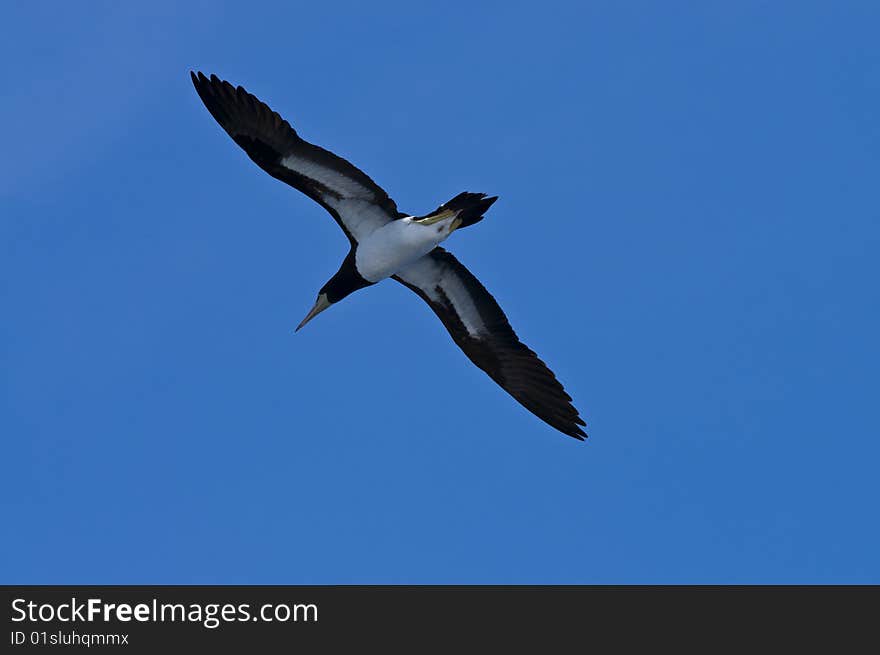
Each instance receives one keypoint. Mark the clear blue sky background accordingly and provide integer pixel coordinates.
(687, 233)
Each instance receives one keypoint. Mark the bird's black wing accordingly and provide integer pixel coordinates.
(480, 328)
(357, 203)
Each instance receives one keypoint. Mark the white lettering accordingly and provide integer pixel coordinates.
(22, 613)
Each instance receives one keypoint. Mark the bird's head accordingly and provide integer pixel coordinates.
(346, 281)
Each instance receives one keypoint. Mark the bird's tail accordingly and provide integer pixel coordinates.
(471, 207)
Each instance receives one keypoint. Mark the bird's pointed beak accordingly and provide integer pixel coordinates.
(320, 305)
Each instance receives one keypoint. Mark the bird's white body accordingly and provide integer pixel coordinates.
(398, 244)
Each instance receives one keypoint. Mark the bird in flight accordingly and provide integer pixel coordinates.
(388, 243)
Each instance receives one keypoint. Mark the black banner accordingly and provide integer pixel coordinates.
(170, 618)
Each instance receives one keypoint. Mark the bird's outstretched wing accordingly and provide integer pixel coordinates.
(357, 203)
(480, 328)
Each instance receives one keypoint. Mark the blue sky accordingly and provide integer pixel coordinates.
(687, 233)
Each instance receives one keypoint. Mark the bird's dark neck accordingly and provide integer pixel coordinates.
(347, 280)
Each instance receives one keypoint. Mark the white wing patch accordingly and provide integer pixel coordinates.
(438, 281)
(341, 185)
(353, 201)
(360, 217)
(462, 301)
